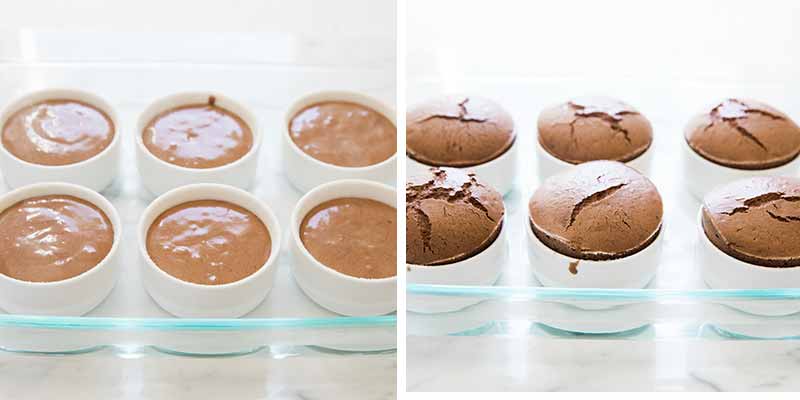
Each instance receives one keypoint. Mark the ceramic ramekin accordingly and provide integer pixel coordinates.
(187, 299)
(95, 173)
(159, 176)
(549, 165)
(481, 269)
(702, 175)
(70, 297)
(338, 292)
(306, 172)
(498, 173)
(721, 271)
(552, 268)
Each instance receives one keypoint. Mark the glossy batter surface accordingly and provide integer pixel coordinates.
(344, 134)
(57, 132)
(209, 242)
(357, 237)
(52, 238)
(198, 136)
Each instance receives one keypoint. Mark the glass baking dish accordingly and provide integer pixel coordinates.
(677, 303)
(264, 71)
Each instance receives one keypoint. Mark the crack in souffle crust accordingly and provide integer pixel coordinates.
(756, 220)
(450, 216)
(458, 131)
(598, 210)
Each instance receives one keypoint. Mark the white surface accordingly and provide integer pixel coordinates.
(159, 176)
(340, 293)
(96, 173)
(191, 300)
(74, 296)
(292, 375)
(520, 364)
(306, 172)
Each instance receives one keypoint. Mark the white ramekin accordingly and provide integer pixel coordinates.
(721, 271)
(95, 173)
(552, 269)
(306, 172)
(187, 299)
(635, 271)
(338, 292)
(159, 176)
(549, 165)
(70, 297)
(482, 269)
(701, 175)
(498, 173)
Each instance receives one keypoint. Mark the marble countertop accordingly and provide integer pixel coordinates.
(112, 375)
(494, 363)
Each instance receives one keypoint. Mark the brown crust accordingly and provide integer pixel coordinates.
(458, 131)
(744, 134)
(597, 128)
(598, 210)
(756, 220)
(450, 216)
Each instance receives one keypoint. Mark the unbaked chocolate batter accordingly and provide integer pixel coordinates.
(52, 238)
(344, 134)
(209, 242)
(57, 132)
(357, 237)
(198, 136)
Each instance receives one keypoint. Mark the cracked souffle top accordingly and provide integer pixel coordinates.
(450, 216)
(594, 128)
(57, 132)
(458, 131)
(756, 220)
(744, 134)
(599, 210)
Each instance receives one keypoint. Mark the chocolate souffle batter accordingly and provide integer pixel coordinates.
(344, 134)
(52, 238)
(198, 136)
(357, 237)
(208, 242)
(57, 132)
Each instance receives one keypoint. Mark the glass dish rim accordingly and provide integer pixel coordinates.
(597, 294)
(193, 324)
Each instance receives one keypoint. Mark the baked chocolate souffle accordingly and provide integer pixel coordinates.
(598, 210)
(594, 128)
(756, 220)
(450, 216)
(458, 131)
(744, 134)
